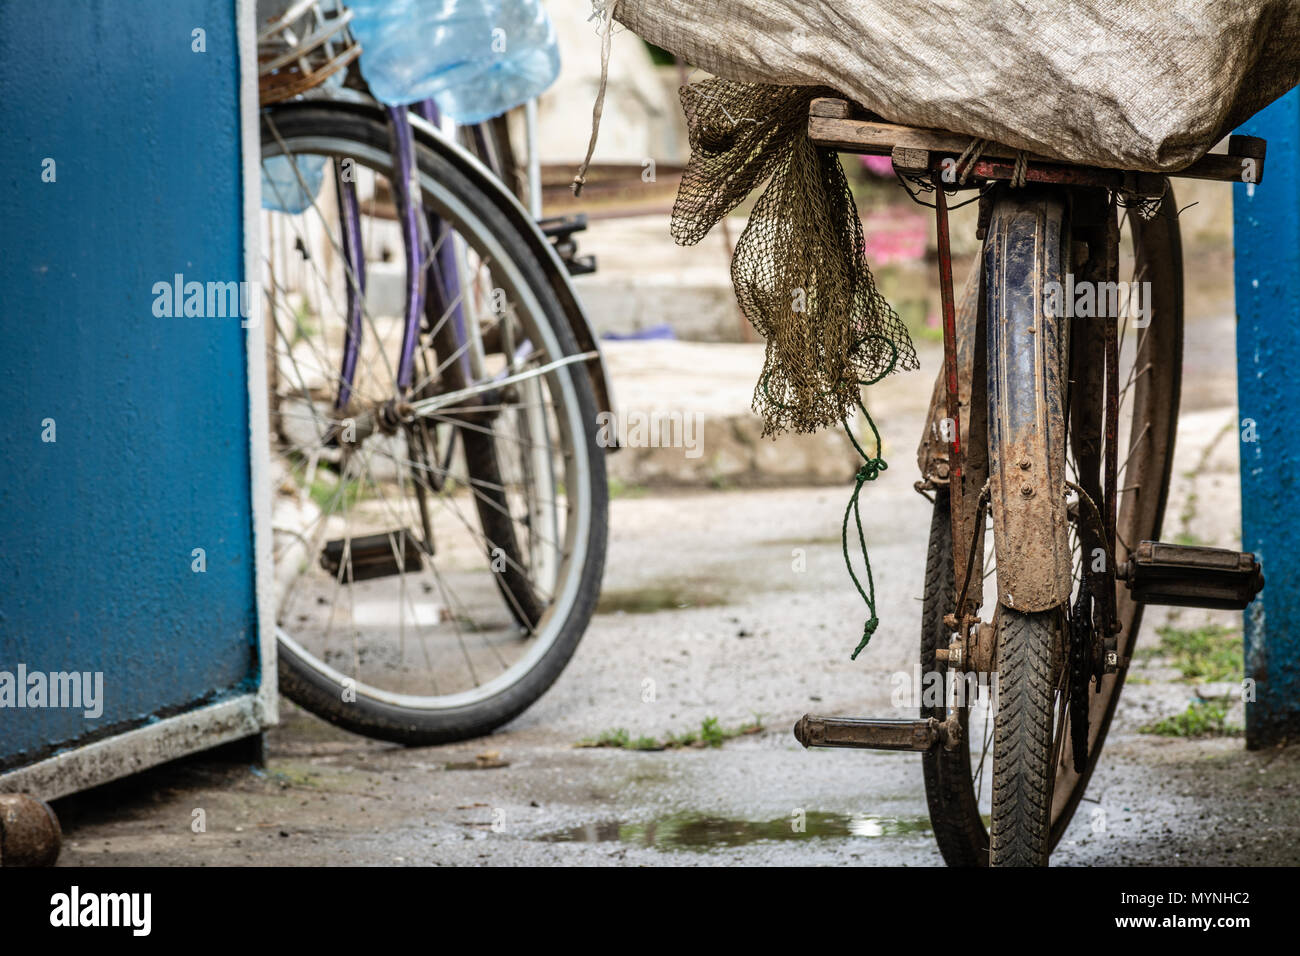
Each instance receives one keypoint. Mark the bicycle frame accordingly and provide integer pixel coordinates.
(434, 291)
(428, 136)
(438, 275)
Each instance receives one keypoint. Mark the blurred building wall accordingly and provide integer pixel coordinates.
(642, 118)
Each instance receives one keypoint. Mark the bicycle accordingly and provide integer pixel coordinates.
(439, 502)
(1047, 455)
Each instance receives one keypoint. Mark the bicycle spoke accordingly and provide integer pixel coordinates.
(423, 556)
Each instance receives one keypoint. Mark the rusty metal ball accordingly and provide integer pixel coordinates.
(29, 831)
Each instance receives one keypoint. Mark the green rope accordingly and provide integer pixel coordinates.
(872, 466)
(869, 470)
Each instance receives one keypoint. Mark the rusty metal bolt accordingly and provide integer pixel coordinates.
(1027, 491)
(950, 732)
(29, 832)
(1024, 464)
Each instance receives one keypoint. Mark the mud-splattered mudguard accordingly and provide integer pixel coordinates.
(1028, 362)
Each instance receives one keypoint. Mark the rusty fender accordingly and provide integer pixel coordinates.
(1028, 362)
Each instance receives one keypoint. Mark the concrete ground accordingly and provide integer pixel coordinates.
(757, 622)
(725, 599)
(756, 638)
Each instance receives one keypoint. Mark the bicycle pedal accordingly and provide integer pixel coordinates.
(868, 733)
(1188, 576)
(373, 556)
(579, 265)
(559, 230)
(561, 227)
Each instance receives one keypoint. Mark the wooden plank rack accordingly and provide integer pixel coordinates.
(846, 127)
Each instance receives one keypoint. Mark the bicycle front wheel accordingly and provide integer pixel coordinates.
(439, 536)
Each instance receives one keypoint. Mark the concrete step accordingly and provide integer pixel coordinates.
(644, 279)
(684, 413)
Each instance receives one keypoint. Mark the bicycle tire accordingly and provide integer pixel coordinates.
(319, 687)
(955, 807)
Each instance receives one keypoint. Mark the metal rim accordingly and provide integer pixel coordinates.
(1148, 452)
(577, 528)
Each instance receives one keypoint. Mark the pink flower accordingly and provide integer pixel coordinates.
(881, 166)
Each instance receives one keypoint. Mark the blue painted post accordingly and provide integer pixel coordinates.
(127, 549)
(1267, 242)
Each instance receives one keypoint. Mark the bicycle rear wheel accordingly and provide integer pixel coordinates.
(1042, 784)
(435, 569)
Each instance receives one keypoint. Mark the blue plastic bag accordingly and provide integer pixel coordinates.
(474, 58)
(281, 189)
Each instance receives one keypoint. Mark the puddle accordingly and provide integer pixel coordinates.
(648, 600)
(693, 831)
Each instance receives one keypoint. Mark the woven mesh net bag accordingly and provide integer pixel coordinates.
(799, 270)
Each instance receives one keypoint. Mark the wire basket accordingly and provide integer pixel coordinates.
(301, 45)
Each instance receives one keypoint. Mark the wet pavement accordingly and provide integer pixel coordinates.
(757, 623)
(732, 605)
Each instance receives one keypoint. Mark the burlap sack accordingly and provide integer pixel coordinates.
(1131, 84)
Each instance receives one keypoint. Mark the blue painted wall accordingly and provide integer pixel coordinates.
(150, 459)
(1267, 243)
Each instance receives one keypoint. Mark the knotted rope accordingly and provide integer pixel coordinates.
(971, 154)
(869, 470)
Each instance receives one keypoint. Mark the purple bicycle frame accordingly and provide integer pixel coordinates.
(440, 279)
(350, 225)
